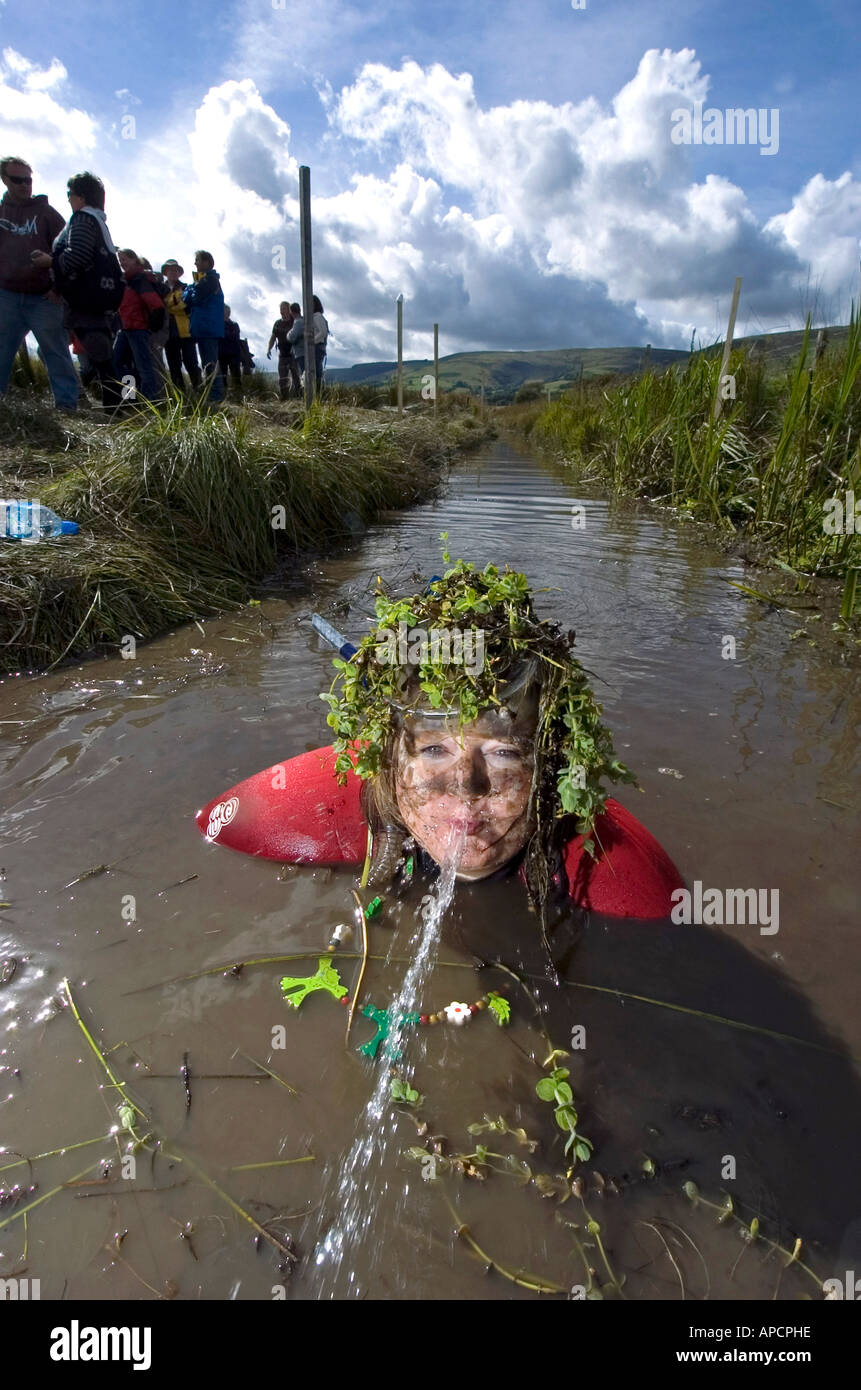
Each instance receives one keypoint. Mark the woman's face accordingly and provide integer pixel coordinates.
(470, 786)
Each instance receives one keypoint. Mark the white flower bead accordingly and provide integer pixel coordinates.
(457, 1013)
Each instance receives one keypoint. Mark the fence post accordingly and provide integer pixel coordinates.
(647, 358)
(727, 347)
(400, 354)
(435, 365)
(307, 282)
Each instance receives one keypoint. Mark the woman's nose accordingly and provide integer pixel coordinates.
(473, 780)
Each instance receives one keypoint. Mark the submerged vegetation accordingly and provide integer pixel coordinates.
(182, 512)
(760, 452)
(680, 1258)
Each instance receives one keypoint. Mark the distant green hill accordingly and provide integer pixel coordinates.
(502, 373)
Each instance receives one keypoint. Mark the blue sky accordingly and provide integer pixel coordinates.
(508, 166)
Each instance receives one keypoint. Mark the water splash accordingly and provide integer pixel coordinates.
(355, 1200)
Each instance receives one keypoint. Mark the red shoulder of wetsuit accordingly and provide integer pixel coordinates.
(296, 812)
(630, 876)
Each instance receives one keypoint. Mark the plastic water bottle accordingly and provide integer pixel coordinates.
(29, 521)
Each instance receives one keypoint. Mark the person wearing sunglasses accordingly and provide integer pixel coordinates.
(28, 302)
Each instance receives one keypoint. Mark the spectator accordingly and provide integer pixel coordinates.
(141, 314)
(230, 352)
(288, 370)
(321, 338)
(205, 301)
(296, 336)
(247, 357)
(158, 340)
(28, 302)
(88, 276)
(180, 348)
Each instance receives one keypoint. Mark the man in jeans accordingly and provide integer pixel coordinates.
(288, 370)
(205, 303)
(28, 303)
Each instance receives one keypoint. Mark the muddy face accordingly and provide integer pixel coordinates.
(472, 783)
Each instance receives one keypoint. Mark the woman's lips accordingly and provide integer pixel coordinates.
(469, 825)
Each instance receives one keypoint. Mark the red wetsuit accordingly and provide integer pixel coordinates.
(296, 812)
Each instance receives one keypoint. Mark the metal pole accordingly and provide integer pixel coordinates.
(435, 365)
(727, 347)
(400, 354)
(307, 282)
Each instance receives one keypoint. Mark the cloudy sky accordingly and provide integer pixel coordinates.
(509, 167)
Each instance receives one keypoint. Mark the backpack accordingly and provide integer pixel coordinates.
(100, 287)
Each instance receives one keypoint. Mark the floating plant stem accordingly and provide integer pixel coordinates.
(751, 1233)
(652, 1227)
(234, 1206)
(269, 1072)
(277, 960)
(274, 1163)
(358, 989)
(594, 1230)
(46, 1196)
(533, 1282)
(120, 1085)
(54, 1153)
(366, 868)
(711, 1018)
(114, 1252)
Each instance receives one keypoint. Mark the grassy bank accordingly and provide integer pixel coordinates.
(181, 514)
(784, 444)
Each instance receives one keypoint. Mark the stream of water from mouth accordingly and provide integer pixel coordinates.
(355, 1201)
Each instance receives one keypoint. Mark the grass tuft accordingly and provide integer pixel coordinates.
(176, 507)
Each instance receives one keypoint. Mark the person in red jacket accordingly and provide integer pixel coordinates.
(142, 313)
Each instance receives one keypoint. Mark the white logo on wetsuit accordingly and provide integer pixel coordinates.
(221, 815)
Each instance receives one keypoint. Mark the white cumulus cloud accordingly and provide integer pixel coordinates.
(528, 224)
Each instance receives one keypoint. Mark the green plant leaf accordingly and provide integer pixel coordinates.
(499, 1007)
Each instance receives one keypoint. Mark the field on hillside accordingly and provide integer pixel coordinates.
(502, 374)
(771, 453)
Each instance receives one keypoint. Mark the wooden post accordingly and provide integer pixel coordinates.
(727, 347)
(647, 358)
(821, 343)
(400, 354)
(435, 365)
(307, 282)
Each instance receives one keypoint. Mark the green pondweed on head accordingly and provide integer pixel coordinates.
(574, 750)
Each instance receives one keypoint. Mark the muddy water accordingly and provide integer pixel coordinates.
(749, 780)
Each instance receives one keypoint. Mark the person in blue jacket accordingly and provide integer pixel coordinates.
(205, 303)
